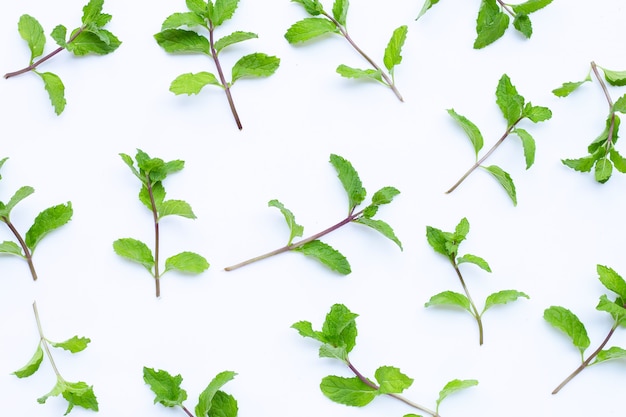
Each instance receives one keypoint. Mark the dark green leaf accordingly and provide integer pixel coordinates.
(166, 387)
(505, 181)
(339, 328)
(192, 83)
(523, 24)
(206, 399)
(79, 394)
(531, 6)
(223, 10)
(528, 143)
(187, 262)
(233, 38)
(255, 65)
(295, 230)
(350, 180)
(454, 386)
(608, 354)
(46, 221)
(392, 55)
(470, 129)
(503, 297)
(476, 260)
(381, 227)
(309, 28)
(449, 298)
(326, 255)
(340, 11)
(176, 20)
(356, 73)
(179, 40)
(391, 380)
(134, 250)
(490, 24)
(566, 321)
(31, 31)
(56, 90)
(74, 345)
(176, 208)
(11, 248)
(603, 170)
(427, 5)
(617, 78)
(510, 102)
(348, 391)
(612, 280)
(32, 366)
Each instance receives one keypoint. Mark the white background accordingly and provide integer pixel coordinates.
(548, 246)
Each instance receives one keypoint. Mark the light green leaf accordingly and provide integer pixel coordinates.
(503, 297)
(614, 308)
(326, 255)
(531, 6)
(340, 11)
(583, 164)
(206, 399)
(58, 389)
(618, 160)
(568, 88)
(56, 90)
(566, 321)
(224, 405)
(309, 28)
(158, 194)
(393, 50)
(620, 104)
(31, 31)
(197, 6)
(510, 102)
(75, 344)
(454, 386)
(528, 143)
(134, 250)
(522, 23)
(192, 83)
(356, 73)
(470, 129)
(476, 260)
(176, 208)
(32, 366)
(612, 280)
(381, 227)
(235, 37)
(295, 230)
(305, 329)
(603, 170)
(46, 221)
(255, 65)
(223, 10)
(536, 114)
(79, 394)
(180, 40)
(600, 141)
(312, 7)
(187, 262)
(59, 33)
(505, 181)
(438, 240)
(391, 380)
(176, 20)
(11, 248)
(334, 352)
(608, 354)
(348, 391)
(339, 328)
(92, 11)
(18, 196)
(617, 78)
(350, 180)
(99, 42)
(166, 387)
(385, 195)
(449, 298)
(490, 24)
(427, 5)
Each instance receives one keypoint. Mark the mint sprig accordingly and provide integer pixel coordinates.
(211, 402)
(338, 338)
(603, 156)
(89, 38)
(566, 321)
(335, 22)
(514, 108)
(494, 18)
(447, 244)
(151, 172)
(321, 251)
(45, 222)
(193, 32)
(75, 393)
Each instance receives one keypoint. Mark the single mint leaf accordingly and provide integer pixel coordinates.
(32, 366)
(134, 250)
(339, 328)
(393, 50)
(350, 180)
(348, 391)
(295, 230)
(454, 386)
(11, 248)
(391, 380)
(381, 227)
(206, 399)
(473, 259)
(177, 20)
(449, 298)
(461, 230)
(357, 73)
(187, 262)
(192, 83)
(600, 141)
(224, 405)
(75, 344)
(510, 102)
(79, 394)
(618, 160)
(180, 40)
(334, 352)
(503, 297)
(128, 160)
(438, 239)
(166, 387)
(18, 196)
(528, 143)
(536, 114)
(99, 42)
(176, 208)
(566, 321)
(568, 88)
(608, 354)
(583, 164)
(612, 280)
(59, 33)
(522, 23)
(617, 78)
(199, 7)
(614, 308)
(603, 170)
(470, 129)
(620, 104)
(92, 11)
(326, 255)
(56, 90)
(223, 10)
(312, 7)
(309, 28)
(31, 31)
(531, 6)
(505, 181)
(490, 24)
(340, 11)
(305, 329)
(384, 196)
(46, 221)
(235, 37)
(158, 194)
(255, 65)
(427, 5)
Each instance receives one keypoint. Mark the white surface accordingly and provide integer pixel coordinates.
(548, 246)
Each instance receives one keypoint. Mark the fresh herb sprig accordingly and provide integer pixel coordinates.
(212, 401)
(75, 393)
(89, 38)
(202, 19)
(514, 109)
(602, 153)
(323, 22)
(45, 222)
(566, 321)
(321, 251)
(447, 244)
(152, 172)
(338, 338)
(493, 18)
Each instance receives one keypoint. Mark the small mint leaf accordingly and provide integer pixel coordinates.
(56, 90)
(255, 65)
(348, 391)
(188, 262)
(391, 380)
(326, 255)
(11, 248)
(382, 227)
(528, 144)
(207, 400)
(75, 344)
(235, 37)
(522, 23)
(295, 230)
(427, 5)
(491, 24)
(503, 297)
(449, 298)
(340, 11)
(393, 51)
(31, 31)
(476, 260)
(134, 250)
(166, 387)
(79, 394)
(309, 28)
(454, 386)
(32, 366)
(193, 83)
(470, 129)
(505, 181)
(46, 221)
(356, 73)
(180, 40)
(568, 322)
(350, 180)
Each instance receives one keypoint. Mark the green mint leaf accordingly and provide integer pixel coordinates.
(581, 164)
(348, 391)
(223, 10)
(11, 248)
(192, 83)
(490, 24)
(603, 170)
(327, 255)
(505, 181)
(356, 73)
(295, 230)
(188, 262)
(460, 231)
(207, 400)
(393, 50)
(309, 28)
(340, 11)
(334, 352)
(510, 102)
(391, 380)
(608, 354)
(92, 11)
(180, 40)
(618, 160)
(166, 387)
(177, 20)
(235, 37)
(523, 24)
(381, 227)
(198, 6)
(58, 389)
(31, 31)
(438, 240)
(134, 250)
(176, 208)
(566, 321)
(158, 194)
(617, 78)
(600, 141)
(255, 65)
(427, 5)
(528, 143)
(530, 6)
(75, 344)
(312, 7)
(612, 280)
(46, 221)
(20, 194)
(470, 129)
(350, 180)
(224, 405)
(476, 260)
(449, 298)
(503, 297)
(305, 329)
(339, 328)
(568, 88)
(454, 386)
(32, 366)
(385, 195)
(56, 90)
(99, 42)
(79, 394)
(536, 114)
(59, 33)
(620, 104)
(131, 164)
(614, 308)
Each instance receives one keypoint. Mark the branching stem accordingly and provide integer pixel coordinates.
(475, 312)
(44, 342)
(506, 8)
(27, 254)
(609, 141)
(155, 216)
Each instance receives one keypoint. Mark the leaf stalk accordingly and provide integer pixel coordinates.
(27, 254)
(155, 215)
(475, 312)
(43, 341)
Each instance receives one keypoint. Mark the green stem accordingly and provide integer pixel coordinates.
(609, 141)
(27, 254)
(43, 341)
(475, 312)
(155, 216)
